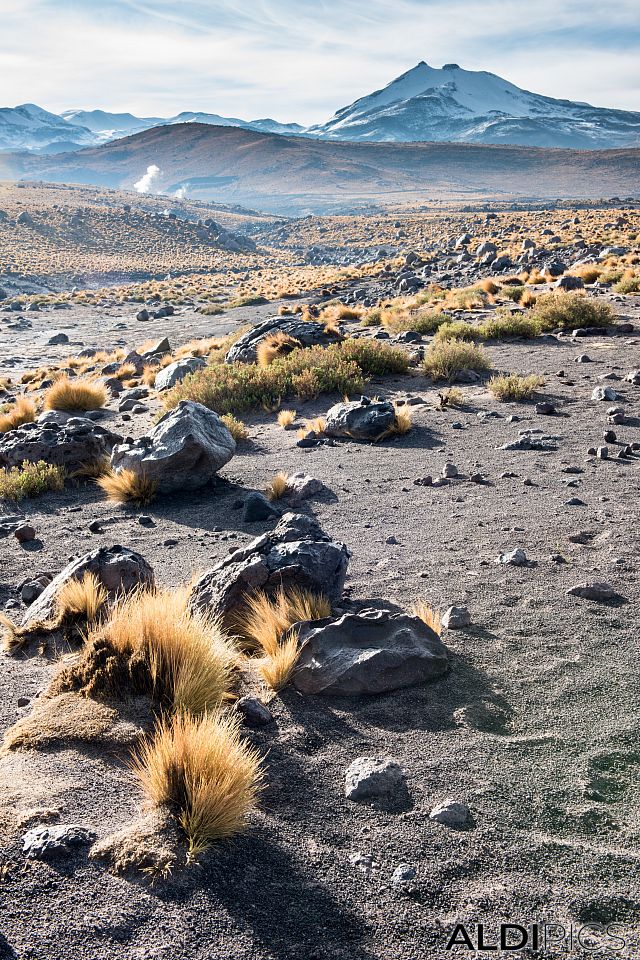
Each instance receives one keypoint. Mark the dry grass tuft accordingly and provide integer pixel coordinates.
(286, 418)
(154, 643)
(22, 411)
(453, 397)
(279, 486)
(428, 615)
(127, 486)
(81, 599)
(403, 421)
(236, 428)
(204, 772)
(274, 346)
(69, 394)
(265, 624)
(513, 387)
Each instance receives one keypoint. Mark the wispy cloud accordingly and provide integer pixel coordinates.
(301, 62)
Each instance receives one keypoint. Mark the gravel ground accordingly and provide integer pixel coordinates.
(535, 727)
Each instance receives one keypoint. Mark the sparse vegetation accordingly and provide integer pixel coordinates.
(236, 428)
(339, 368)
(444, 359)
(30, 480)
(279, 486)
(570, 311)
(202, 770)
(286, 418)
(513, 388)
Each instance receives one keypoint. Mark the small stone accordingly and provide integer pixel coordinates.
(24, 533)
(23, 701)
(451, 813)
(257, 508)
(609, 436)
(47, 841)
(515, 558)
(254, 712)
(403, 874)
(604, 393)
(95, 527)
(602, 453)
(372, 778)
(449, 470)
(145, 521)
(545, 408)
(594, 591)
(456, 618)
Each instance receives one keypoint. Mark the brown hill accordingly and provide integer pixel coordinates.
(292, 173)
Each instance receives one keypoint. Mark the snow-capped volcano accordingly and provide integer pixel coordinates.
(450, 103)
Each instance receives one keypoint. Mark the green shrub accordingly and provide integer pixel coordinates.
(445, 358)
(339, 368)
(504, 324)
(459, 330)
(570, 311)
(30, 480)
(513, 387)
(628, 285)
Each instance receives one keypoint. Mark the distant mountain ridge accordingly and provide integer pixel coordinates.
(426, 103)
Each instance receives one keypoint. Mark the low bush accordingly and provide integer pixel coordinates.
(30, 480)
(445, 358)
(570, 311)
(512, 387)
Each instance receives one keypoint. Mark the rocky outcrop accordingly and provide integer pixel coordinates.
(184, 451)
(309, 334)
(362, 419)
(71, 444)
(295, 553)
(118, 569)
(373, 651)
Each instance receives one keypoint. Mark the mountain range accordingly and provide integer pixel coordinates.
(425, 104)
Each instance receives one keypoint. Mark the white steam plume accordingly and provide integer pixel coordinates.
(144, 183)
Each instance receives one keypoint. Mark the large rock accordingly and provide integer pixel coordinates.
(71, 444)
(309, 334)
(295, 553)
(48, 841)
(372, 651)
(184, 451)
(362, 419)
(177, 371)
(117, 568)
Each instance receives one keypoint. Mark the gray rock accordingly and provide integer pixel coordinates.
(309, 334)
(48, 841)
(449, 471)
(633, 377)
(451, 813)
(604, 393)
(56, 339)
(370, 778)
(253, 711)
(71, 444)
(515, 558)
(24, 533)
(257, 508)
(403, 873)
(184, 451)
(570, 283)
(177, 371)
(594, 591)
(301, 486)
(456, 618)
(372, 651)
(295, 553)
(117, 568)
(362, 419)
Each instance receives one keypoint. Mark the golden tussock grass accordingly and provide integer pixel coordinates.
(203, 771)
(453, 397)
(278, 487)
(127, 486)
(404, 420)
(236, 428)
(316, 425)
(274, 346)
(70, 394)
(22, 411)
(154, 642)
(79, 600)
(265, 624)
(428, 615)
(286, 418)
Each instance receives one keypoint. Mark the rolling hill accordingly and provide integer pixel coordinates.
(285, 174)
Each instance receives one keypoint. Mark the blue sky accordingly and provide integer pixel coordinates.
(301, 61)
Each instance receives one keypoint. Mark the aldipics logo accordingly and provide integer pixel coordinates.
(598, 939)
